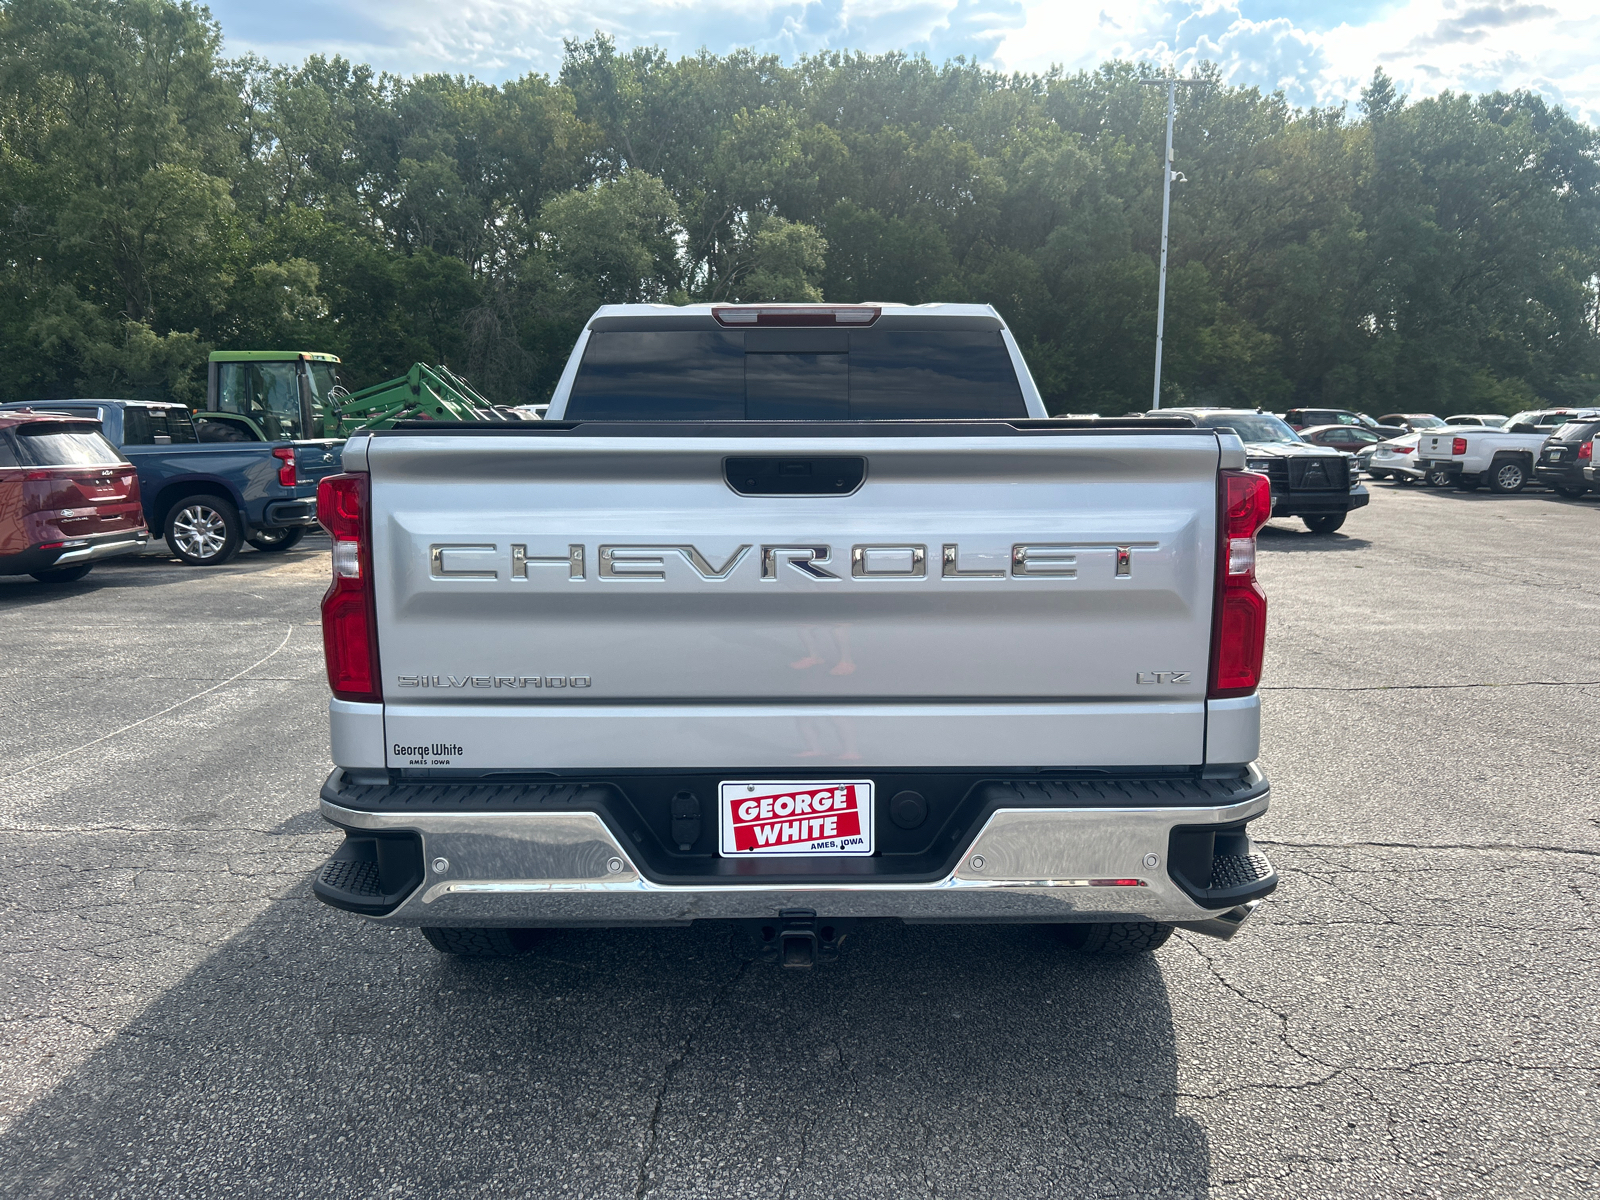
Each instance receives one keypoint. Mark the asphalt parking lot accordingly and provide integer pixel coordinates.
(1412, 1014)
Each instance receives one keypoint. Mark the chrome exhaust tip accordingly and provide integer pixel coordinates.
(1225, 924)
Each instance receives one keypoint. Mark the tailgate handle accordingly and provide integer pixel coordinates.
(808, 476)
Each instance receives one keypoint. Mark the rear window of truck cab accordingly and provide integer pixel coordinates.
(794, 374)
(156, 425)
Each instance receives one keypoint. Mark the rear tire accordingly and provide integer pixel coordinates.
(1572, 493)
(275, 541)
(62, 574)
(479, 943)
(203, 530)
(1404, 480)
(1508, 477)
(1116, 938)
(1326, 523)
(1437, 478)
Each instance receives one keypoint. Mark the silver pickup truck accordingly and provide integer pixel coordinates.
(796, 616)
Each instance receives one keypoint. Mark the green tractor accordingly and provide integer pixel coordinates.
(294, 395)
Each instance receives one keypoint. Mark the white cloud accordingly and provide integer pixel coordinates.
(1318, 53)
(1428, 46)
(495, 39)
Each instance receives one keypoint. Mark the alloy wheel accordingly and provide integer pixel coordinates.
(200, 530)
(1509, 477)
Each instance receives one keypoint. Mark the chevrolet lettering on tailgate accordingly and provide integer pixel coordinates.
(1027, 560)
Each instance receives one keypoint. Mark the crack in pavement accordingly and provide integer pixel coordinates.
(1282, 1017)
(671, 1069)
(800, 1161)
(927, 1140)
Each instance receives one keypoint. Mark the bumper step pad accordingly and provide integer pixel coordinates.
(1219, 868)
(371, 873)
(1233, 871)
(354, 878)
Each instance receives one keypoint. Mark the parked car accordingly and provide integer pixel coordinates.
(1394, 459)
(209, 497)
(1547, 420)
(1300, 419)
(1318, 484)
(1493, 420)
(67, 498)
(1412, 421)
(1565, 455)
(1352, 439)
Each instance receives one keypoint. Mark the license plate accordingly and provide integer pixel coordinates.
(762, 817)
(1555, 456)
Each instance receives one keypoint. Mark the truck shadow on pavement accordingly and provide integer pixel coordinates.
(317, 1055)
(1292, 540)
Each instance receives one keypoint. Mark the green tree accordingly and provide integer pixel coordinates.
(156, 201)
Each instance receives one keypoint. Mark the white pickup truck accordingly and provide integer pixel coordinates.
(796, 616)
(1503, 458)
(1468, 457)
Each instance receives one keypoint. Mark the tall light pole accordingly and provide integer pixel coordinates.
(1172, 86)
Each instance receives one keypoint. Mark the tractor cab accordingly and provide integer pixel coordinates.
(270, 396)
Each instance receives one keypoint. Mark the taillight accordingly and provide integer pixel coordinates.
(1239, 618)
(349, 610)
(1458, 445)
(285, 455)
(1586, 450)
(1404, 449)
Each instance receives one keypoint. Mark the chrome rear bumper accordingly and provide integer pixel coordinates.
(88, 551)
(530, 869)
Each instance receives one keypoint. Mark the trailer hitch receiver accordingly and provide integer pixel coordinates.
(797, 939)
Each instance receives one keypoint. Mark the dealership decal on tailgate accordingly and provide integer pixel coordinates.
(785, 817)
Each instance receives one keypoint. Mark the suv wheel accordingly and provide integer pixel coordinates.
(1326, 523)
(1507, 477)
(203, 530)
(479, 943)
(272, 541)
(1116, 937)
(1572, 493)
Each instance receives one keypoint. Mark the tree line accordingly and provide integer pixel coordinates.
(159, 200)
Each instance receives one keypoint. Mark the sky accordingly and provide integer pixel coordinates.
(1317, 51)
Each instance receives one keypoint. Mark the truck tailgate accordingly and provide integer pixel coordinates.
(552, 602)
(1437, 446)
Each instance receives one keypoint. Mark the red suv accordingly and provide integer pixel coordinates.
(67, 498)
